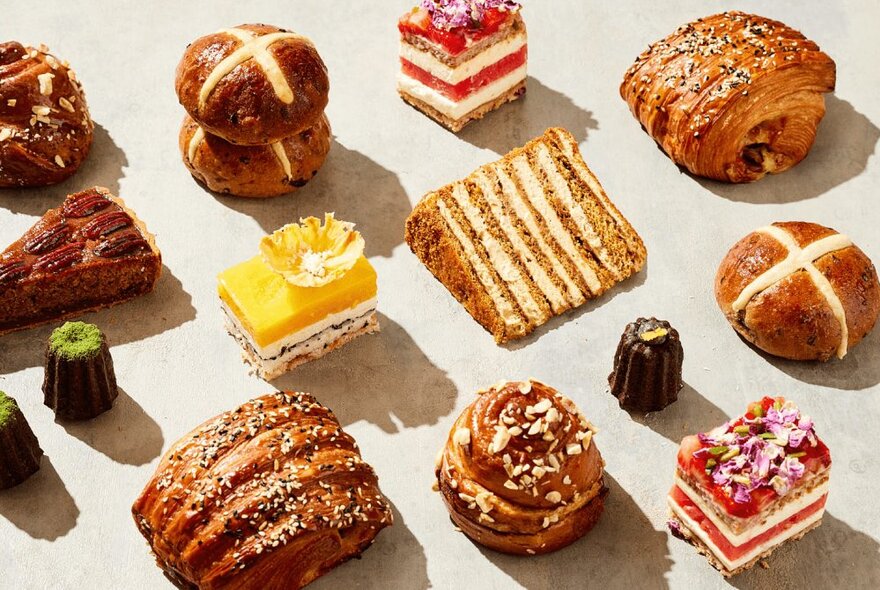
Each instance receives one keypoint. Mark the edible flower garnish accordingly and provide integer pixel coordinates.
(309, 254)
(761, 449)
(454, 14)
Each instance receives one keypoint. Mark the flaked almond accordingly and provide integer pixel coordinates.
(536, 427)
(5, 133)
(59, 161)
(573, 449)
(542, 406)
(585, 442)
(500, 440)
(45, 81)
(510, 485)
(484, 501)
(566, 480)
(462, 437)
(525, 386)
(554, 497)
(66, 105)
(40, 110)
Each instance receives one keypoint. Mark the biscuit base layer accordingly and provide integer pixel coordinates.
(706, 552)
(456, 125)
(250, 357)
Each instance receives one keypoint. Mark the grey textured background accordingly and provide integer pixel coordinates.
(399, 392)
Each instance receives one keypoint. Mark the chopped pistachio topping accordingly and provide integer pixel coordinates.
(7, 408)
(76, 341)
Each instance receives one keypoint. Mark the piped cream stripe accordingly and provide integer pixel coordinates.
(535, 193)
(194, 142)
(256, 48)
(801, 258)
(563, 193)
(282, 158)
(498, 257)
(549, 289)
(502, 305)
(586, 175)
(522, 211)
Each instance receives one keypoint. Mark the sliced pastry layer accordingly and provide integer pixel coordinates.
(747, 487)
(309, 293)
(89, 253)
(525, 238)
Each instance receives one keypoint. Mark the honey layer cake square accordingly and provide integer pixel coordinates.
(526, 238)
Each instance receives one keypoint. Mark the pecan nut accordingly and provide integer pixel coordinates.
(84, 204)
(105, 224)
(13, 270)
(61, 258)
(48, 239)
(121, 245)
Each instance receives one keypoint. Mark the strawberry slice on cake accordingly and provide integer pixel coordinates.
(461, 59)
(745, 488)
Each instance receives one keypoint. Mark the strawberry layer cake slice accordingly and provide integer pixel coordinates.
(461, 59)
(747, 487)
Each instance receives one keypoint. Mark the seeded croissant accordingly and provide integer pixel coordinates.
(269, 496)
(520, 472)
(731, 97)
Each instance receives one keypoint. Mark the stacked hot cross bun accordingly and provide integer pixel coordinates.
(255, 98)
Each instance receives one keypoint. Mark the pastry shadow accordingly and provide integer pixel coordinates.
(573, 315)
(516, 123)
(689, 414)
(339, 187)
(857, 371)
(382, 378)
(104, 166)
(395, 560)
(834, 555)
(41, 506)
(125, 433)
(167, 307)
(845, 141)
(623, 535)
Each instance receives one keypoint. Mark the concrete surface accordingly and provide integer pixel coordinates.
(399, 392)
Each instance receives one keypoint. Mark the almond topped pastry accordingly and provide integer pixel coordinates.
(45, 127)
(520, 472)
(308, 292)
(268, 496)
(89, 253)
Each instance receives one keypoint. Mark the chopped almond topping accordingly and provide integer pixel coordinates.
(45, 81)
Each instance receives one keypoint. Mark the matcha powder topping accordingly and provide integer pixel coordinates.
(7, 408)
(76, 341)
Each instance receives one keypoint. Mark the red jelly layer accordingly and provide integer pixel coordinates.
(730, 551)
(455, 41)
(465, 88)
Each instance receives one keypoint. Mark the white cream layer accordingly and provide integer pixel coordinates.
(777, 517)
(729, 564)
(426, 60)
(271, 351)
(457, 110)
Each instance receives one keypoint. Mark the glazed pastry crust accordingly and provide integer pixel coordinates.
(732, 96)
(271, 495)
(793, 319)
(45, 127)
(254, 171)
(244, 107)
(522, 494)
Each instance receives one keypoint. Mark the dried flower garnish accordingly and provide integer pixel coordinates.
(760, 450)
(455, 14)
(309, 254)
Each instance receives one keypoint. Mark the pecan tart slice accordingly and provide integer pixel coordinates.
(89, 253)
